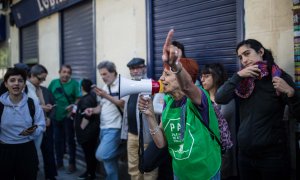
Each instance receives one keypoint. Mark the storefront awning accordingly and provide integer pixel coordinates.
(28, 11)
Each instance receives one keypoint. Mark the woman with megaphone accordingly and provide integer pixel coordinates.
(189, 125)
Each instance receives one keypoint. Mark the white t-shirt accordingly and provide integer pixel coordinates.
(32, 91)
(110, 116)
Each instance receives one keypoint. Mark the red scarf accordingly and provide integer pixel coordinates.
(246, 86)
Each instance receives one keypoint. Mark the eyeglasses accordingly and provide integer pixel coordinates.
(40, 78)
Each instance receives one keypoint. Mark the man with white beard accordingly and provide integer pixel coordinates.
(131, 125)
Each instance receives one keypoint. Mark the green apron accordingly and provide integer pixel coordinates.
(197, 156)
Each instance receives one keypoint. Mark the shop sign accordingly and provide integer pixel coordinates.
(28, 11)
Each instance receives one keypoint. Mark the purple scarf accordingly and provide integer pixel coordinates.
(246, 86)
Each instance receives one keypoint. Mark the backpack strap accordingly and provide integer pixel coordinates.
(1, 110)
(31, 107)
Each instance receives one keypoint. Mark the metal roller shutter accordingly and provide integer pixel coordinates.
(209, 30)
(78, 42)
(29, 44)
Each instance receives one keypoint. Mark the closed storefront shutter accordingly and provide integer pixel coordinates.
(29, 44)
(78, 40)
(209, 30)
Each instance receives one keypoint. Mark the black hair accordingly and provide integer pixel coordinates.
(180, 46)
(217, 71)
(86, 85)
(14, 71)
(3, 88)
(256, 45)
(66, 66)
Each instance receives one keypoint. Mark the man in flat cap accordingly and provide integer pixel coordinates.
(131, 124)
(137, 68)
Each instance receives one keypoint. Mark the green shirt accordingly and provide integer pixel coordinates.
(71, 88)
(197, 155)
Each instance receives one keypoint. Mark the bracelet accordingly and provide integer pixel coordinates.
(176, 72)
(153, 132)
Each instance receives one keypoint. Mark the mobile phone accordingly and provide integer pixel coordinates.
(29, 129)
(54, 105)
(32, 128)
(93, 86)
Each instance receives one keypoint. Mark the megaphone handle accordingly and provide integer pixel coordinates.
(146, 95)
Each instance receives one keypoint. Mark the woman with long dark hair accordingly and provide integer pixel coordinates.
(263, 90)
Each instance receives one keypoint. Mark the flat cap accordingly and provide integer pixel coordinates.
(135, 62)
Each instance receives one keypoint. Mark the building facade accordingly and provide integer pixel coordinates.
(84, 32)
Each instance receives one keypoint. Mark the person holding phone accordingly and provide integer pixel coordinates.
(18, 155)
(111, 112)
(87, 129)
(37, 75)
(66, 93)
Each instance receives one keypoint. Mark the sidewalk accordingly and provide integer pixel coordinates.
(62, 173)
(80, 164)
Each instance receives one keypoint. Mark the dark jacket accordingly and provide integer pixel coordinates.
(261, 128)
(49, 99)
(93, 128)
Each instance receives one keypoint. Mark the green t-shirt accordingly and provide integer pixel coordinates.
(71, 88)
(197, 155)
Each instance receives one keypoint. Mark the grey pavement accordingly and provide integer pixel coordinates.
(80, 165)
(62, 173)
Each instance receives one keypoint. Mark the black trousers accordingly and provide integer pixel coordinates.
(47, 149)
(18, 161)
(89, 148)
(64, 133)
(274, 165)
(155, 157)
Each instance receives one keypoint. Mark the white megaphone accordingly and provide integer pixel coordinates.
(146, 86)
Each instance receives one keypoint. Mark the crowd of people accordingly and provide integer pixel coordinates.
(225, 129)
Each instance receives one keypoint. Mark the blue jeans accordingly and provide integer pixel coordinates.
(108, 151)
(64, 133)
(38, 141)
(215, 177)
